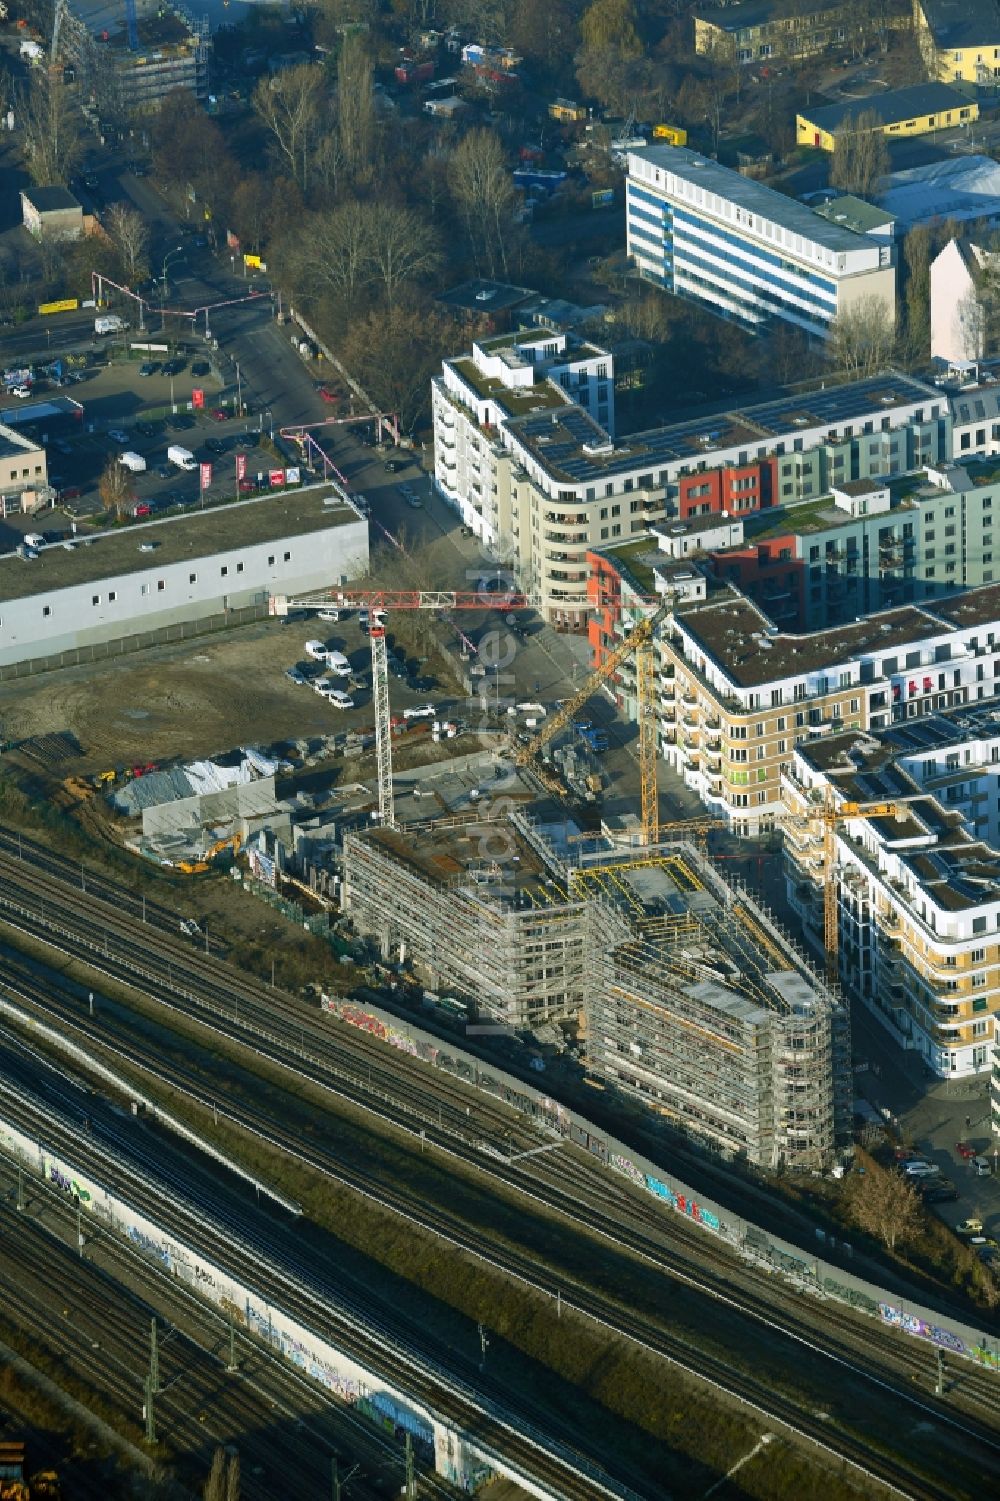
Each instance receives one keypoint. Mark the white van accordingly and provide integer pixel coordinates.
(316, 650)
(337, 664)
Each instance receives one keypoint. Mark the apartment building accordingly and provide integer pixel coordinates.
(918, 891)
(959, 39)
(521, 456)
(759, 33)
(739, 696)
(700, 230)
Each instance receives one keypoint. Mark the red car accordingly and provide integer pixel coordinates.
(905, 1154)
(326, 393)
(218, 415)
(965, 1151)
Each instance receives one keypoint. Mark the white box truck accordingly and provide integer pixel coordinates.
(133, 461)
(182, 457)
(110, 323)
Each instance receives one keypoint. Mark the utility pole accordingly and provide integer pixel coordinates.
(148, 1414)
(20, 1188)
(939, 1383)
(483, 1346)
(411, 1480)
(154, 1357)
(79, 1228)
(232, 1366)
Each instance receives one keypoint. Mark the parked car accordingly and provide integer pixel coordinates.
(965, 1150)
(420, 711)
(21, 392)
(329, 617)
(339, 699)
(218, 415)
(148, 367)
(146, 429)
(246, 440)
(921, 1170)
(414, 502)
(216, 445)
(200, 367)
(182, 422)
(295, 676)
(316, 650)
(326, 393)
(117, 436)
(981, 1167)
(165, 471)
(337, 664)
(393, 466)
(937, 1191)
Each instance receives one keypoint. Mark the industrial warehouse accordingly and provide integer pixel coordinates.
(687, 995)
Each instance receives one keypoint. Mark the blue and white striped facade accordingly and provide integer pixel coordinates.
(702, 231)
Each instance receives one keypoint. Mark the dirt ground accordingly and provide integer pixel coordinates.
(199, 698)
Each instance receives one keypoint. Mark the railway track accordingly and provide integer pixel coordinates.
(649, 1335)
(248, 1247)
(612, 1206)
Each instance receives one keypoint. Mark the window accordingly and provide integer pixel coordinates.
(95, 599)
(112, 596)
(224, 570)
(270, 564)
(239, 568)
(287, 557)
(161, 584)
(193, 577)
(46, 610)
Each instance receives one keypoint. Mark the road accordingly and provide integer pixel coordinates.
(573, 1184)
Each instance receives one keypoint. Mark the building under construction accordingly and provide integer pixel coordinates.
(694, 1002)
(131, 55)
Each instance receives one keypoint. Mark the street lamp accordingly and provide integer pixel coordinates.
(177, 250)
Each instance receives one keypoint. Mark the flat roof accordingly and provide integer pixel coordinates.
(890, 106)
(558, 441)
(14, 445)
(479, 296)
(50, 200)
(962, 23)
(856, 213)
(744, 643)
(177, 539)
(730, 18)
(752, 196)
(452, 854)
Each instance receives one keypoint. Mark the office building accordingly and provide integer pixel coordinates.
(24, 482)
(749, 253)
(918, 890)
(764, 32)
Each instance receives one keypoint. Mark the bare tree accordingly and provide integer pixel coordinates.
(885, 1205)
(403, 247)
(115, 487)
(129, 234)
(52, 144)
(860, 155)
(290, 104)
(484, 193)
(356, 103)
(335, 251)
(863, 337)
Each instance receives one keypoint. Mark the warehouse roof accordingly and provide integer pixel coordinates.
(890, 107)
(753, 197)
(731, 18)
(176, 539)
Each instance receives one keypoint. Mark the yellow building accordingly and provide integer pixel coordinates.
(755, 33)
(900, 112)
(917, 891)
(959, 39)
(566, 111)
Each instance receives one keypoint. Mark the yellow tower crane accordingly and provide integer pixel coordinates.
(639, 642)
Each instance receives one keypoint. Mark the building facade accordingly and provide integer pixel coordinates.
(918, 893)
(738, 696)
(24, 482)
(959, 302)
(540, 481)
(959, 39)
(185, 568)
(51, 213)
(700, 230)
(762, 32)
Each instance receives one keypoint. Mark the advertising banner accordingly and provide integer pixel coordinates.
(292, 476)
(66, 305)
(276, 478)
(206, 475)
(241, 466)
(197, 399)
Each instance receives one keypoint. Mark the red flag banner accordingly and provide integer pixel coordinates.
(206, 475)
(241, 467)
(197, 399)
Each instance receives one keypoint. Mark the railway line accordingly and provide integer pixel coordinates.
(651, 1335)
(254, 1251)
(98, 1324)
(460, 1121)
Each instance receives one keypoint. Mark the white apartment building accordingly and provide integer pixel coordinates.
(739, 697)
(702, 231)
(521, 454)
(918, 892)
(958, 308)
